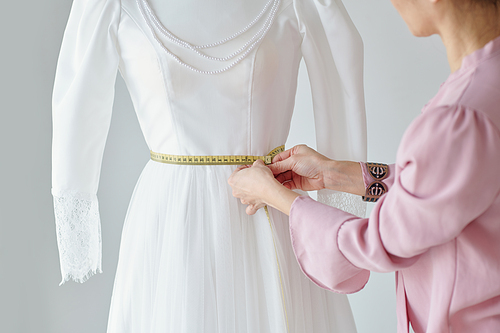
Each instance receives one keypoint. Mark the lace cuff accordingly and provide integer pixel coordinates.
(78, 235)
(347, 202)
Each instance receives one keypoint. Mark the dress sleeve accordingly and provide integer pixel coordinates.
(446, 177)
(81, 113)
(333, 53)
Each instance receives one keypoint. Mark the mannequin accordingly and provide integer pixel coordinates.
(191, 260)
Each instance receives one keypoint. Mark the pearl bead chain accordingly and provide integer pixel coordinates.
(194, 48)
(172, 37)
(152, 20)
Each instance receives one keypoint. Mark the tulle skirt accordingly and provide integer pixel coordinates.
(191, 260)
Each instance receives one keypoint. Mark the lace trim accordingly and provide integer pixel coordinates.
(347, 202)
(78, 235)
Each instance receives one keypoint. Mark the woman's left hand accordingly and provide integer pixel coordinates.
(256, 187)
(250, 184)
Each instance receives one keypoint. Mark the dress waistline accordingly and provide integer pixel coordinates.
(215, 159)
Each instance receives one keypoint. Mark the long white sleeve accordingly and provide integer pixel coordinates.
(82, 103)
(333, 52)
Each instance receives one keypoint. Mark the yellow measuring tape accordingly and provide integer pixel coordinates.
(229, 160)
(215, 159)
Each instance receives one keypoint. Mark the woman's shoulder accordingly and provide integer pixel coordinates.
(476, 88)
(483, 92)
(449, 129)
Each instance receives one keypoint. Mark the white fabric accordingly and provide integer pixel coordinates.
(78, 229)
(190, 259)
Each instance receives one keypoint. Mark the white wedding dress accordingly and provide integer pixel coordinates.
(190, 259)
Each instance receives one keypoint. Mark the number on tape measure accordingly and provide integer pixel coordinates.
(215, 159)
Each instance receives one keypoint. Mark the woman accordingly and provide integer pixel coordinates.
(438, 224)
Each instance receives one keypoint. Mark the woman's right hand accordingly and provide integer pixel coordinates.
(305, 169)
(300, 168)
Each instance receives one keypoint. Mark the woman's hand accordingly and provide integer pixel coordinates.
(305, 169)
(300, 168)
(256, 187)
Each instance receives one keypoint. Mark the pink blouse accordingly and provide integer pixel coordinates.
(438, 226)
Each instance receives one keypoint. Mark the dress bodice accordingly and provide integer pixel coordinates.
(245, 110)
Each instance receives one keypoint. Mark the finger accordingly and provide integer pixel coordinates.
(292, 185)
(288, 153)
(282, 166)
(296, 182)
(236, 194)
(241, 167)
(230, 181)
(290, 180)
(283, 155)
(258, 162)
(261, 205)
(250, 210)
(284, 177)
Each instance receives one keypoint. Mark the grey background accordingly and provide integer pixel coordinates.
(401, 74)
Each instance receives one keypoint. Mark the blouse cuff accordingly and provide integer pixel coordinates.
(78, 235)
(368, 179)
(314, 230)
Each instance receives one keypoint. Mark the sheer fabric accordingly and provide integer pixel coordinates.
(190, 259)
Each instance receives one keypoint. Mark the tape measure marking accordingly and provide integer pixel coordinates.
(215, 159)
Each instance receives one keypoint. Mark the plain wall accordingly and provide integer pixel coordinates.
(401, 74)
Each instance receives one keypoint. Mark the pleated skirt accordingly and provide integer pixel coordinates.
(192, 261)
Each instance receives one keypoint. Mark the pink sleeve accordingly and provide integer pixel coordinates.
(313, 229)
(446, 176)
